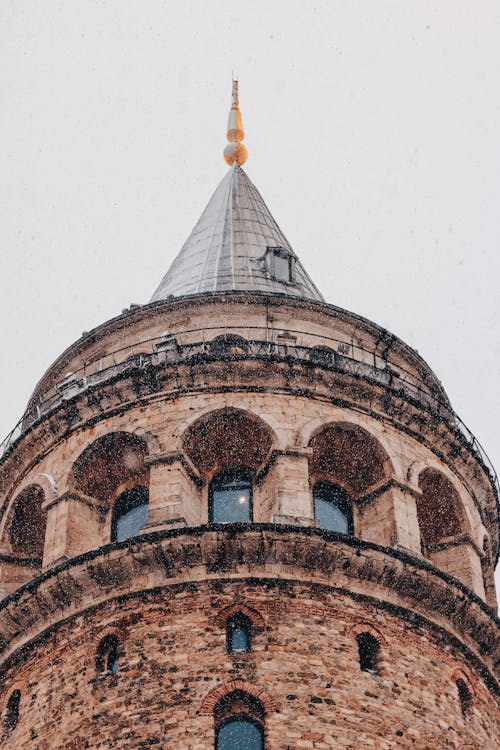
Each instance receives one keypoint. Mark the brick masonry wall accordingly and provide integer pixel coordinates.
(303, 664)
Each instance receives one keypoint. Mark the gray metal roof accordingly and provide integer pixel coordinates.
(228, 248)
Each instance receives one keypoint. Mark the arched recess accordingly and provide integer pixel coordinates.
(348, 455)
(229, 448)
(444, 530)
(105, 478)
(28, 523)
(111, 464)
(226, 439)
(346, 463)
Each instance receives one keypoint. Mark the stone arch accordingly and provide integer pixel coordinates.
(216, 694)
(49, 486)
(227, 438)
(111, 464)
(27, 522)
(348, 455)
(440, 512)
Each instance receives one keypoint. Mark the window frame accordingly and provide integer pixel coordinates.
(247, 482)
(345, 500)
(238, 619)
(240, 717)
(280, 252)
(115, 517)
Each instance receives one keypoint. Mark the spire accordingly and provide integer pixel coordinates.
(236, 244)
(235, 151)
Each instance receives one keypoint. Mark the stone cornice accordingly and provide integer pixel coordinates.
(408, 586)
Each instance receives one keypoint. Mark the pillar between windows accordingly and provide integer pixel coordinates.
(174, 498)
(75, 524)
(289, 482)
(387, 515)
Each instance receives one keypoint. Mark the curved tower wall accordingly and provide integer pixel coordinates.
(167, 396)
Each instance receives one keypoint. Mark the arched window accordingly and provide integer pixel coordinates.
(108, 653)
(465, 698)
(239, 723)
(130, 512)
(230, 497)
(369, 648)
(229, 345)
(238, 733)
(12, 714)
(332, 508)
(238, 633)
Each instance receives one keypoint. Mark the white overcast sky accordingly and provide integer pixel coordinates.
(373, 131)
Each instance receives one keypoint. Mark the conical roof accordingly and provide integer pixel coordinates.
(236, 245)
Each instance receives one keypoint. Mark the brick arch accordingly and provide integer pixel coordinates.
(460, 674)
(367, 627)
(348, 455)
(216, 694)
(255, 617)
(112, 463)
(227, 438)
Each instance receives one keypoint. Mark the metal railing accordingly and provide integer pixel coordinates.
(166, 350)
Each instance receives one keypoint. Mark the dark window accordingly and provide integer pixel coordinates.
(465, 698)
(240, 733)
(12, 713)
(229, 346)
(108, 654)
(129, 514)
(368, 647)
(230, 497)
(332, 508)
(322, 355)
(238, 631)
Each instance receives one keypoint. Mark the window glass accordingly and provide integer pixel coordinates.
(231, 498)
(108, 654)
(240, 734)
(238, 633)
(129, 514)
(332, 508)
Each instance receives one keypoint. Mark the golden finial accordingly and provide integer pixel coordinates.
(235, 151)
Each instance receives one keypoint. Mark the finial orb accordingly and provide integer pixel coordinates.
(235, 152)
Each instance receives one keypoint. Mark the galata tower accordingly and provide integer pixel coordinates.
(239, 517)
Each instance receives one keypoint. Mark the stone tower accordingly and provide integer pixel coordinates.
(239, 517)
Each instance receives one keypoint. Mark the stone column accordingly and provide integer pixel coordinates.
(75, 524)
(289, 483)
(174, 498)
(387, 515)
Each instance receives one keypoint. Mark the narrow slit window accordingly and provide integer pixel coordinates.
(12, 714)
(465, 698)
(368, 647)
(238, 632)
(108, 654)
